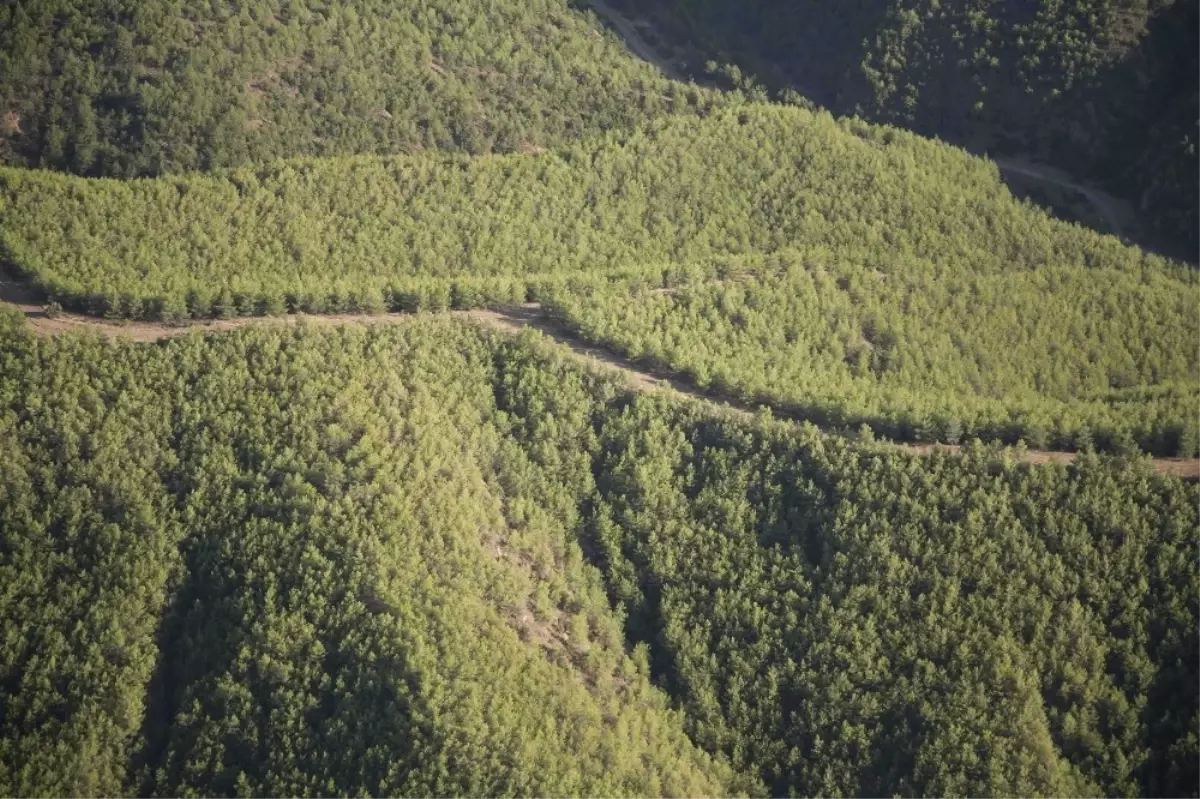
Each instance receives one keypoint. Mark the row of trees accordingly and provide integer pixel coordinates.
(1062, 357)
(366, 233)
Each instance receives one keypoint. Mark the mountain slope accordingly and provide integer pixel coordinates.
(426, 560)
(121, 88)
(299, 563)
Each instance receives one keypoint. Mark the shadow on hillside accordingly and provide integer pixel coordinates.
(1132, 120)
(206, 638)
(16, 291)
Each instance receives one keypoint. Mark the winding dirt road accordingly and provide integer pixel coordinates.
(1116, 213)
(508, 319)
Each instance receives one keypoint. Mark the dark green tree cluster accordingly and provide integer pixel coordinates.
(851, 623)
(124, 87)
(300, 563)
(1065, 358)
(429, 560)
(1106, 88)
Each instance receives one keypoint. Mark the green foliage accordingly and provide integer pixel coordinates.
(849, 622)
(1106, 88)
(301, 563)
(432, 230)
(923, 353)
(411, 561)
(909, 289)
(122, 88)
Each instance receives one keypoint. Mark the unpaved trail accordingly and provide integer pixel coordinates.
(1117, 214)
(507, 319)
(628, 31)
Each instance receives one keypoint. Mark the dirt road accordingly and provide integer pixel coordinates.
(1116, 213)
(628, 31)
(509, 319)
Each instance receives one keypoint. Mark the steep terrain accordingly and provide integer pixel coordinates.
(122, 87)
(440, 398)
(1106, 90)
(425, 559)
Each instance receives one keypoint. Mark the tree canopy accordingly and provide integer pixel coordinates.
(427, 559)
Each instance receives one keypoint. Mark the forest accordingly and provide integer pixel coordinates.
(438, 557)
(124, 88)
(313, 233)
(430, 559)
(1108, 89)
(1060, 358)
(856, 308)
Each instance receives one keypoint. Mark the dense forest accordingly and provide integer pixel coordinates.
(434, 559)
(863, 314)
(431, 560)
(302, 564)
(1106, 88)
(124, 87)
(308, 232)
(1066, 358)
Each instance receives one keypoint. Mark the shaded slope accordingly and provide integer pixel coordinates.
(362, 603)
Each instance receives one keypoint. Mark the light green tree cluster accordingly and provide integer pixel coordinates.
(370, 233)
(1062, 357)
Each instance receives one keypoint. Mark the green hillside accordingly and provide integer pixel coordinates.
(1105, 88)
(755, 179)
(909, 290)
(1065, 357)
(304, 564)
(427, 560)
(123, 87)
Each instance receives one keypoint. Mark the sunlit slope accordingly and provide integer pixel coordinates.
(123, 87)
(290, 563)
(893, 280)
(363, 232)
(1066, 357)
(427, 560)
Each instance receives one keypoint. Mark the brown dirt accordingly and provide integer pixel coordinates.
(511, 319)
(10, 123)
